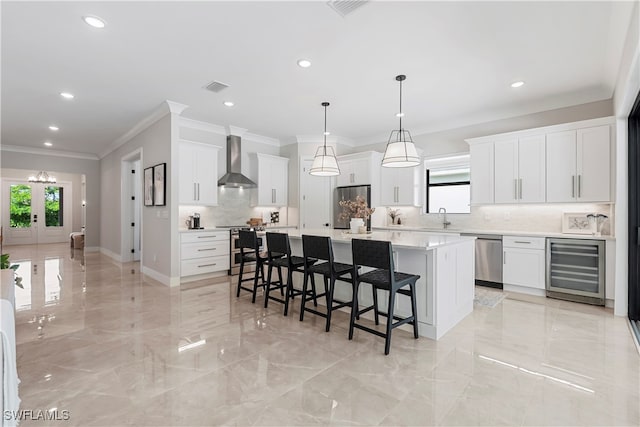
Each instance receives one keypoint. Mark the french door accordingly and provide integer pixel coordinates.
(36, 213)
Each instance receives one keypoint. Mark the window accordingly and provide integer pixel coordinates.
(53, 206)
(20, 206)
(447, 184)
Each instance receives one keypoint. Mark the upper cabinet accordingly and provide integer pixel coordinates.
(579, 165)
(198, 174)
(272, 179)
(358, 169)
(562, 163)
(520, 170)
(481, 162)
(400, 186)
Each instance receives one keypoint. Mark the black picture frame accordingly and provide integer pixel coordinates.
(160, 184)
(148, 186)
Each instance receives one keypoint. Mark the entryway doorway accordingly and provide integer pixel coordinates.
(315, 198)
(131, 218)
(634, 217)
(37, 213)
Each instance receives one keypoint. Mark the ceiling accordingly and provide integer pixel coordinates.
(460, 59)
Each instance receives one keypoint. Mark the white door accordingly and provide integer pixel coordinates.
(315, 199)
(37, 213)
(593, 166)
(506, 173)
(388, 186)
(531, 169)
(561, 166)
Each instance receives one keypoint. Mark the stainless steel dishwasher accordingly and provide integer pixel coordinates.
(488, 260)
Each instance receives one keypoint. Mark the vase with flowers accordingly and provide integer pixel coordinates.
(357, 211)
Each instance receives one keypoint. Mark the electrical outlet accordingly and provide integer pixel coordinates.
(507, 216)
(487, 217)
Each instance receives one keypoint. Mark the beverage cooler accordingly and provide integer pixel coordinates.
(575, 270)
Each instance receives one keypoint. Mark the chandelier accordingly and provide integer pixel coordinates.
(43, 178)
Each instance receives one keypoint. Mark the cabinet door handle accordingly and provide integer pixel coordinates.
(580, 185)
(210, 249)
(206, 265)
(207, 237)
(573, 186)
(521, 241)
(515, 188)
(520, 189)
(273, 195)
(504, 257)
(198, 191)
(194, 192)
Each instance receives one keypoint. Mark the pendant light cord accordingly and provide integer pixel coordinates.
(400, 106)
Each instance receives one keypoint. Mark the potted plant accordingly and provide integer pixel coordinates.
(5, 264)
(357, 211)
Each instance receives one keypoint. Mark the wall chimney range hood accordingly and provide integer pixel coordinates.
(234, 178)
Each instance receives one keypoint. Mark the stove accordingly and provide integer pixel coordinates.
(235, 250)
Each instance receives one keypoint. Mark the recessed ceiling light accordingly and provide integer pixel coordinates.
(517, 84)
(327, 133)
(54, 128)
(228, 104)
(48, 144)
(399, 114)
(66, 95)
(304, 63)
(94, 21)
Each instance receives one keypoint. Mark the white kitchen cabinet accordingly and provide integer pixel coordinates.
(198, 174)
(272, 179)
(520, 170)
(579, 165)
(358, 169)
(523, 268)
(204, 252)
(482, 178)
(400, 186)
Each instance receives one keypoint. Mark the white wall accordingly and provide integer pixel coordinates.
(155, 142)
(91, 170)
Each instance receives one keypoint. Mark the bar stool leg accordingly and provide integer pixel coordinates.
(240, 277)
(387, 341)
(287, 294)
(375, 304)
(268, 287)
(313, 290)
(413, 309)
(332, 284)
(256, 276)
(305, 285)
(281, 282)
(354, 308)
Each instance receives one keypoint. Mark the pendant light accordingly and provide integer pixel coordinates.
(401, 151)
(325, 162)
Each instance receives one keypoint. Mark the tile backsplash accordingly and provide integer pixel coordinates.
(543, 218)
(234, 208)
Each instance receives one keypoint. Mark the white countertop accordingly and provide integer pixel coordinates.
(496, 232)
(266, 228)
(400, 239)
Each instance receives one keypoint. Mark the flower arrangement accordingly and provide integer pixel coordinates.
(357, 208)
(394, 214)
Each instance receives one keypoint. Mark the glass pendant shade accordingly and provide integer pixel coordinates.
(43, 178)
(401, 151)
(325, 162)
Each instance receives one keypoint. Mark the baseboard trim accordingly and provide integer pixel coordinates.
(92, 248)
(114, 256)
(159, 277)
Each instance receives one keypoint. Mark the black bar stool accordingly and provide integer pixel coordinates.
(279, 256)
(250, 252)
(319, 248)
(378, 254)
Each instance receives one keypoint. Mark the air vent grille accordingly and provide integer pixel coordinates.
(216, 86)
(345, 7)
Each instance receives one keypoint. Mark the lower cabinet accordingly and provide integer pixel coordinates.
(203, 252)
(524, 264)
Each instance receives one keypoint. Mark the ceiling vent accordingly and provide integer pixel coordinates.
(216, 86)
(345, 7)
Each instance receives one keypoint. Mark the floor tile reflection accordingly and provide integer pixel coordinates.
(114, 347)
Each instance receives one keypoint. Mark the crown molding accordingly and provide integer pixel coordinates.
(261, 139)
(235, 130)
(199, 125)
(228, 130)
(319, 139)
(166, 107)
(49, 152)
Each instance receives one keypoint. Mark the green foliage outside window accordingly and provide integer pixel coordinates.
(20, 206)
(52, 206)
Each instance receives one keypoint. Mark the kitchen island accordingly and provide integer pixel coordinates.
(445, 263)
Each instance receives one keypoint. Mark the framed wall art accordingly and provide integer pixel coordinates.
(148, 186)
(159, 184)
(576, 223)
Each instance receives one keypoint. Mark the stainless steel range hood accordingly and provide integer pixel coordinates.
(234, 178)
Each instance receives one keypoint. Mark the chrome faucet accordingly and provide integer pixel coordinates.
(443, 212)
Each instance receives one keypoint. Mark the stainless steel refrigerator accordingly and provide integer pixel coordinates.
(349, 193)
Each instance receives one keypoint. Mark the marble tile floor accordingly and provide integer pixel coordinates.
(113, 347)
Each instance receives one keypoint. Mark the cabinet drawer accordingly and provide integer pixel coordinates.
(204, 249)
(523, 242)
(204, 236)
(192, 267)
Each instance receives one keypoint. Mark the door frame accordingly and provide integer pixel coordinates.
(126, 231)
(633, 141)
